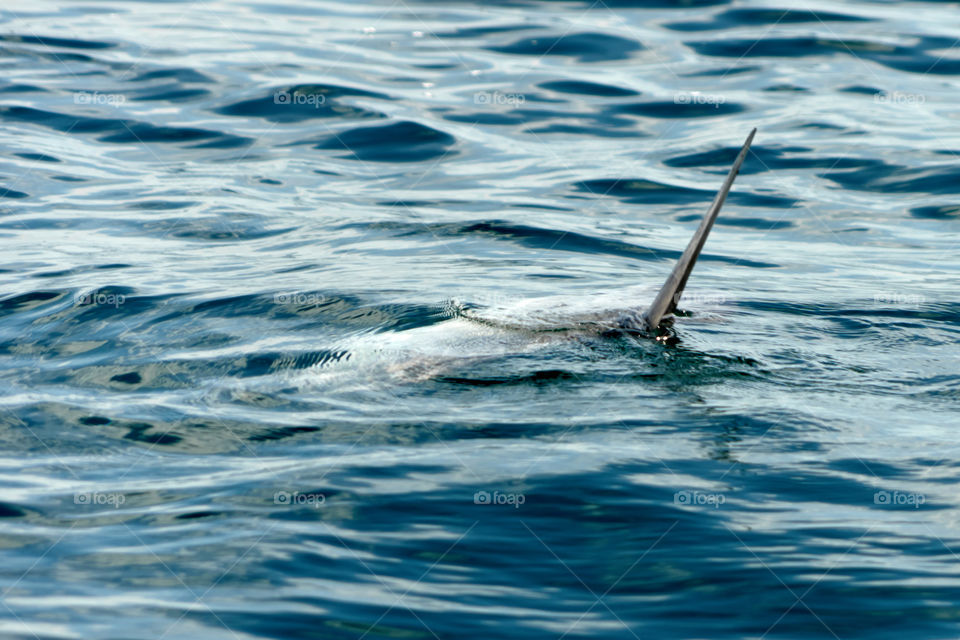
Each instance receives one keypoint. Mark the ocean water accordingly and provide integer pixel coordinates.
(303, 311)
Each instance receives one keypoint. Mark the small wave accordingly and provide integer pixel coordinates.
(732, 18)
(579, 87)
(651, 192)
(586, 47)
(397, 142)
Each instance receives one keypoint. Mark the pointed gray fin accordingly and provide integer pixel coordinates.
(666, 301)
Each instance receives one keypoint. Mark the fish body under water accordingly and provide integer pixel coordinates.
(474, 335)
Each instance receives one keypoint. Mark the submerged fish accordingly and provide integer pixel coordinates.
(476, 335)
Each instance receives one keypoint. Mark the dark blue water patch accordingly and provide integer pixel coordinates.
(9, 510)
(488, 118)
(942, 212)
(540, 207)
(947, 313)
(162, 205)
(410, 204)
(59, 57)
(22, 88)
(582, 88)
(537, 378)
(873, 468)
(183, 75)
(890, 178)
(588, 131)
(398, 142)
(82, 269)
(29, 301)
(436, 66)
(195, 515)
(92, 305)
(274, 434)
(617, 4)
(760, 16)
(662, 4)
(60, 43)
(557, 240)
(58, 121)
(914, 59)
(586, 47)
(786, 88)
(131, 377)
(482, 32)
(39, 157)
(220, 228)
(607, 122)
(117, 130)
(302, 102)
(145, 433)
(12, 193)
(140, 132)
(223, 142)
(347, 314)
(640, 191)
(814, 484)
(540, 238)
(621, 554)
(773, 47)
(768, 158)
(760, 224)
(861, 89)
(688, 109)
(723, 72)
(265, 363)
(167, 93)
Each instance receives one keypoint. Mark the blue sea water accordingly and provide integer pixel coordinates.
(292, 341)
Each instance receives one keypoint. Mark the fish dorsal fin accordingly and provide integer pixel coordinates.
(666, 301)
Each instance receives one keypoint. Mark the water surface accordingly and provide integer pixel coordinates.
(290, 344)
